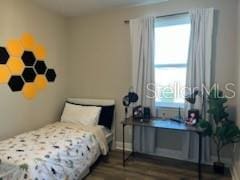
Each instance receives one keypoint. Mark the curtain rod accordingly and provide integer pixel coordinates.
(168, 15)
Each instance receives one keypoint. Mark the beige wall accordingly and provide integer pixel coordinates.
(17, 114)
(101, 57)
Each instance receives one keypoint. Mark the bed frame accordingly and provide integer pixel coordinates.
(98, 102)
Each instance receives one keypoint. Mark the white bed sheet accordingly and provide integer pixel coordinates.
(109, 137)
(47, 153)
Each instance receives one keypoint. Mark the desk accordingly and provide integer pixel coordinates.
(162, 124)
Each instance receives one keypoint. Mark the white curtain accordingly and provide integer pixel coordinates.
(142, 42)
(199, 71)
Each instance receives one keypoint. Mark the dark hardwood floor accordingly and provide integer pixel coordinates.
(143, 167)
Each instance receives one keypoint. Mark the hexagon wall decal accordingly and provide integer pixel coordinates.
(29, 90)
(28, 58)
(4, 74)
(29, 74)
(40, 67)
(15, 66)
(16, 83)
(28, 41)
(50, 75)
(23, 66)
(39, 51)
(41, 82)
(14, 48)
(4, 56)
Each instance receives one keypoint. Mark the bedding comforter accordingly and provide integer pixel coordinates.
(57, 151)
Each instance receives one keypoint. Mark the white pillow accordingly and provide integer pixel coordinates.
(87, 115)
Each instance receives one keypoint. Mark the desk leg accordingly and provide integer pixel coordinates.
(123, 145)
(133, 134)
(200, 157)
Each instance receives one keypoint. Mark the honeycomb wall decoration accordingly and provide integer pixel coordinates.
(23, 66)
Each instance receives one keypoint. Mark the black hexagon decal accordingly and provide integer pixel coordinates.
(40, 67)
(51, 75)
(4, 56)
(29, 75)
(28, 58)
(16, 83)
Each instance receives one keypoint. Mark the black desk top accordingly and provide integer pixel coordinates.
(161, 123)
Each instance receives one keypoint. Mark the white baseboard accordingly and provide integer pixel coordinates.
(169, 153)
(119, 146)
(174, 154)
(162, 152)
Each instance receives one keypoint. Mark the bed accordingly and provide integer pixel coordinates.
(62, 150)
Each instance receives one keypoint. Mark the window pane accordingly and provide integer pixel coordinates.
(171, 44)
(170, 83)
(172, 36)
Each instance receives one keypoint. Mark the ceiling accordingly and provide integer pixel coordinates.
(80, 7)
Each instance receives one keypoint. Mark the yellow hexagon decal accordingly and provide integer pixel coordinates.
(28, 41)
(41, 82)
(15, 48)
(4, 74)
(39, 52)
(29, 90)
(15, 66)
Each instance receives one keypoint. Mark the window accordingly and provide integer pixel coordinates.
(172, 35)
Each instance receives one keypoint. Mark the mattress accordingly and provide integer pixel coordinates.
(57, 151)
(109, 137)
